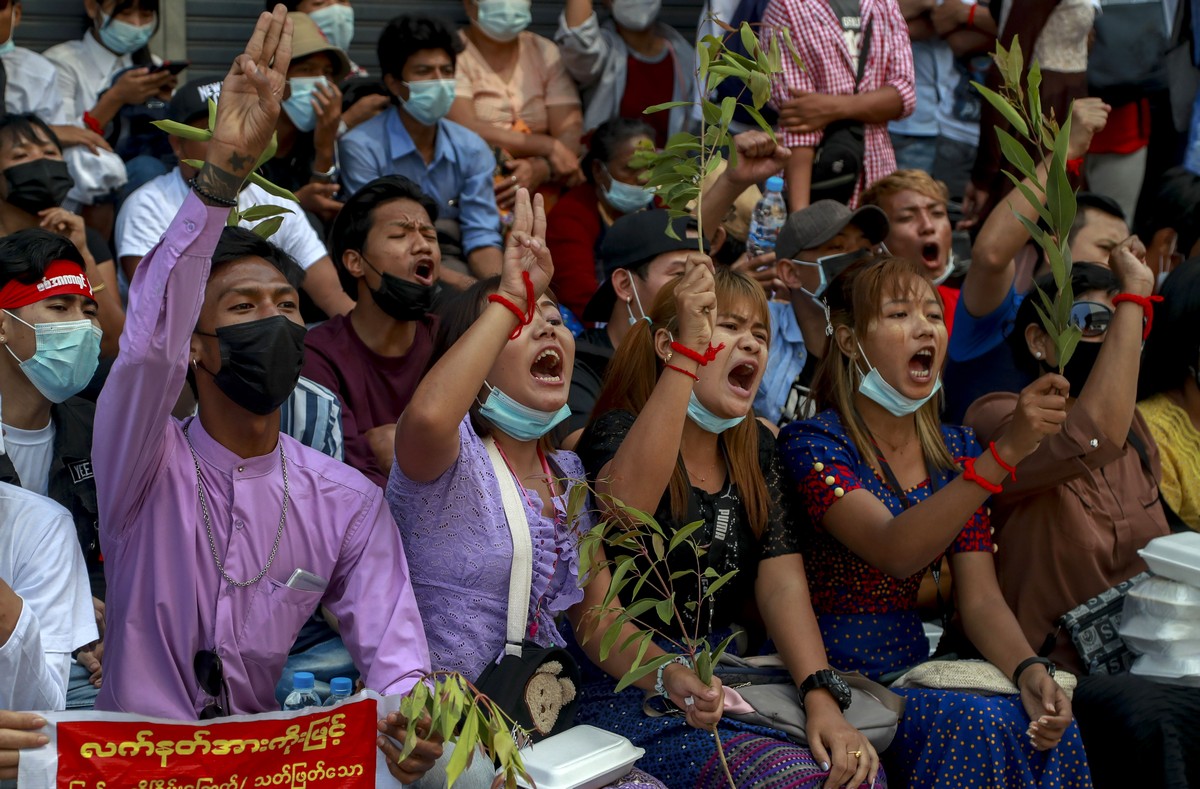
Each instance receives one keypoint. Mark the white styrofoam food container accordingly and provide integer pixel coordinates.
(1176, 556)
(582, 757)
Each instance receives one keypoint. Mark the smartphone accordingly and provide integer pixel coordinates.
(173, 66)
(306, 581)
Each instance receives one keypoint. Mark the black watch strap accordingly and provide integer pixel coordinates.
(1031, 661)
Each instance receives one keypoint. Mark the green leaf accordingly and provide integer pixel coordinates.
(618, 580)
(656, 543)
(665, 609)
(647, 640)
(1036, 233)
(642, 517)
(1034, 81)
(271, 188)
(269, 152)
(1030, 196)
(720, 650)
(741, 60)
(195, 164)
(1004, 108)
(267, 228)
(639, 607)
(464, 747)
(760, 88)
(1047, 324)
(683, 533)
(183, 131)
(1065, 347)
(758, 118)
(717, 584)
(1016, 62)
(666, 105)
(1060, 197)
(749, 40)
(704, 666)
(649, 667)
(212, 113)
(234, 218)
(775, 57)
(254, 213)
(1016, 154)
(610, 637)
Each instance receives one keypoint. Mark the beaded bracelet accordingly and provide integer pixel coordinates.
(210, 197)
(1147, 305)
(701, 359)
(969, 475)
(661, 689)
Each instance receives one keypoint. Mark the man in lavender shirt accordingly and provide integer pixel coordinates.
(222, 536)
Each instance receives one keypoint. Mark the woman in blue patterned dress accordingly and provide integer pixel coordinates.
(888, 490)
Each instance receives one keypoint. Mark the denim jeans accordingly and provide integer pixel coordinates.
(81, 694)
(326, 660)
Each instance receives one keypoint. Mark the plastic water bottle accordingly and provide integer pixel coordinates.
(767, 219)
(340, 689)
(303, 693)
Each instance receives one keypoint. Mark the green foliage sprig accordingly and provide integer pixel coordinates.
(1054, 199)
(677, 172)
(268, 217)
(461, 715)
(654, 593)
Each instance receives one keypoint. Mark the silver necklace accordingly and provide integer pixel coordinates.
(212, 544)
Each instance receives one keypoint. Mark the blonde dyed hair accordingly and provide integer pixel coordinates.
(633, 373)
(855, 299)
(899, 181)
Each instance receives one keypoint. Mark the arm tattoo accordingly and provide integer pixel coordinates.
(218, 182)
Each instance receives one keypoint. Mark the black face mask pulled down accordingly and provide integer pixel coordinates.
(260, 362)
(1079, 368)
(38, 185)
(400, 299)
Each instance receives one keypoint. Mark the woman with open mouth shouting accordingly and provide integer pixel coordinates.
(887, 491)
(674, 433)
(498, 385)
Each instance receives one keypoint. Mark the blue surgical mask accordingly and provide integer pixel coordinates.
(519, 421)
(503, 20)
(822, 283)
(874, 387)
(626, 198)
(66, 358)
(122, 37)
(707, 420)
(429, 100)
(8, 46)
(337, 23)
(299, 105)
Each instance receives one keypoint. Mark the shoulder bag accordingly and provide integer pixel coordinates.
(536, 686)
(838, 161)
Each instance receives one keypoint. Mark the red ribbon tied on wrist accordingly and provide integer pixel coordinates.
(1147, 305)
(701, 359)
(523, 318)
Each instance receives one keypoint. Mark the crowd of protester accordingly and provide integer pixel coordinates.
(870, 421)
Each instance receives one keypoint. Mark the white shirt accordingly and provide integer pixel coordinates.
(147, 212)
(40, 559)
(85, 70)
(32, 452)
(32, 86)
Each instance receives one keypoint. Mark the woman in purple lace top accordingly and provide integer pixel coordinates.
(505, 379)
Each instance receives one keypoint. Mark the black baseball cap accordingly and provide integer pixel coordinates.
(632, 241)
(191, 101)
(815, 225)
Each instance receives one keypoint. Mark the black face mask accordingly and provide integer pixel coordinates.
(401, 299)
(1079, 368)
(260, 362)
(38, 185)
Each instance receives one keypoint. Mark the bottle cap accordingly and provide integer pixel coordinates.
(341, 685)
(303, 680)
(774, 184)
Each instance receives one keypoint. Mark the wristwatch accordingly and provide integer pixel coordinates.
(827, 679)
(1026, 663)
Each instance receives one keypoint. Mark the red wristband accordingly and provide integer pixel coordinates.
(701, 359)
(1145, 302)
(693, 376)
(1075, 167)
(971, 15)
(523, 318)
(92, 123)
(969, 475)
(1012, 470)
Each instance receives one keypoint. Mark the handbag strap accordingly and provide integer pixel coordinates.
(864, 52)
(520, 580)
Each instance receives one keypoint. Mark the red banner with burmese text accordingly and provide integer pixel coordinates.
(318, 748)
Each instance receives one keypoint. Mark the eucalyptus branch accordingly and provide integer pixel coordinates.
(268, 217)
(1019, 102)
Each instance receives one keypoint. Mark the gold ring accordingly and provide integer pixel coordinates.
(855, 754)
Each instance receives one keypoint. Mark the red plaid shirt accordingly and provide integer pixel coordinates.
(828, 69)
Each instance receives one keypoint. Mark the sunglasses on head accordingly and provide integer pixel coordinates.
(210, 675)
(1091, 317)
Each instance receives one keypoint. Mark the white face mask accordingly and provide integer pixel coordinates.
(874, 387)
(636, 15)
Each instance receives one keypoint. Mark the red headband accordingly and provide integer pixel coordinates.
(62, 278)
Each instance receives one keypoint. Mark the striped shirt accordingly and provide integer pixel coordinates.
(313, 416)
